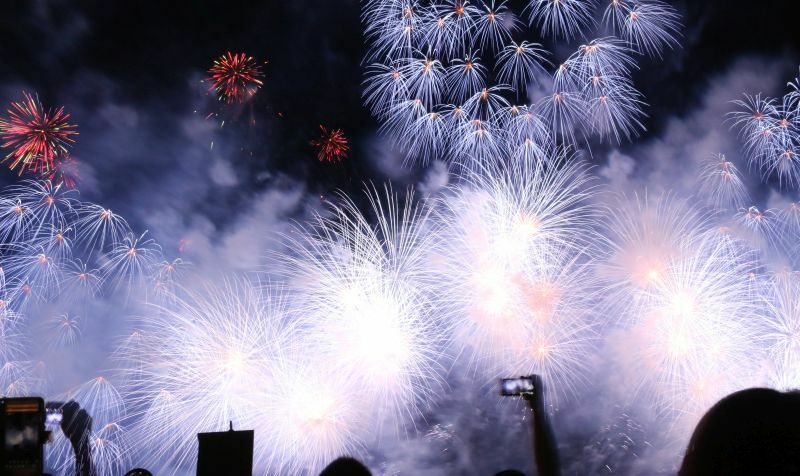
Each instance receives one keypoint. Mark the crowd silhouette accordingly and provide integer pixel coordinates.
(750, 432)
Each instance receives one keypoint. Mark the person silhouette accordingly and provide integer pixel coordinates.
(345, 466)
(77, 427)
(545, 448)
(753, 431)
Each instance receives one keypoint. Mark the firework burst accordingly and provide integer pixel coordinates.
(363, 290)
(235, 77)
(513, 267)
(693, 339)
(37, 136)
(199, 362)
(331, 146)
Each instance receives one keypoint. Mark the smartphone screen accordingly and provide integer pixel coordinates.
(53, 418)
(516, 386)
(23, 420)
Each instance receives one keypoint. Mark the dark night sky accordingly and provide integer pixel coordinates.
(149, 58)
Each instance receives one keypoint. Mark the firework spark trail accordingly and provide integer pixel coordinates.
(689, 321)
(514, 268)
(720, 182)
(436, 98)
(37, 136)
(49, 279)
(769, 131)
(332, 145)
(362, 288)
(649, 26)
(562, 18)
(781, 330)
(205, 359)
(643, 236)
(235, 77)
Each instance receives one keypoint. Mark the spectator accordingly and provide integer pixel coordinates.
(545, 448)
(345, 466)
(754, 431)
(77, 427)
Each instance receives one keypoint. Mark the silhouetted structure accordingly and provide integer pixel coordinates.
(227, 452)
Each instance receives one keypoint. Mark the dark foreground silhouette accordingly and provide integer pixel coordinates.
(751, 432)
(345, 466)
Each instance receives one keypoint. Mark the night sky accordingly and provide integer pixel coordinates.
(151, 59)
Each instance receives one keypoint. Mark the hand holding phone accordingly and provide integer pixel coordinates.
(515, 387)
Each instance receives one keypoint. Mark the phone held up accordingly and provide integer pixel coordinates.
(515, 387)
(22, 424)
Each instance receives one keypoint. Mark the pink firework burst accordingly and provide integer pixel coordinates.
(235, 77)
(37, 137)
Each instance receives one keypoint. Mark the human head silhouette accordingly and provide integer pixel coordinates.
(754, 431)
(345, 466)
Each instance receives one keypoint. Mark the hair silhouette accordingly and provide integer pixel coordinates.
(754, 431)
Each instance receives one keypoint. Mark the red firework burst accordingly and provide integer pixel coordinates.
(235, 77)
(332, 145)
(64, 172)
(37, 136)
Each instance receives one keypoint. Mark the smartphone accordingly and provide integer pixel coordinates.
(53, 415)
(22, 421)
(513, 387)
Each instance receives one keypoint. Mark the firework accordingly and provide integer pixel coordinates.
(721, 184)
(392, 27)
(495, 26)
(100, 228)
(12, 340)
(332, 145)
(37, 136)
(648, 26)
(781, 334)
(204, 360)
(64, 172)
(596, 78)
(465, 77)
(66, 330)
(769, 131)
(362, 290)
(426, 77)
(693, 341)
(384, 85)
(513, 267)
(520, 64)
(527, 135)
(107, 441)
(562, 18)
(235, 77)
(315, 414)
(761, 227)
(644, 236)
(132, 261)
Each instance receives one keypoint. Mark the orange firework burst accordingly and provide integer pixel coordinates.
(235, 77)
(332, 145)
(37, 136)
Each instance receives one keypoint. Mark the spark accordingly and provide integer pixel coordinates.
(235, 77)
(37, 136)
